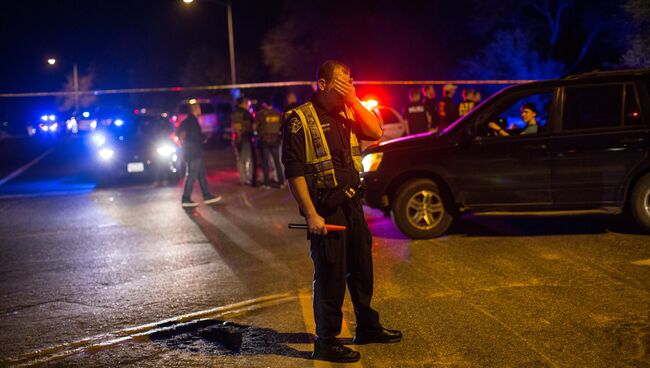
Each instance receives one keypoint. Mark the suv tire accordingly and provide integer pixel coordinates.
(420, 210)
(640, 202)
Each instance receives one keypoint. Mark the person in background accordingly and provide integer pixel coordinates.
(415, 113)
(431, 107)
(446, 107)
(241, 121)
(468, 102)
(192, 139)
(268, 123)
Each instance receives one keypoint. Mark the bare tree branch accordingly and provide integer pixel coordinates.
(585, 48)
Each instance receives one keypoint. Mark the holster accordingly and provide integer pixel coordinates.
(329, 199)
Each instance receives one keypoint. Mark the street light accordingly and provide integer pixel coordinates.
(231, 42)
(75, 82)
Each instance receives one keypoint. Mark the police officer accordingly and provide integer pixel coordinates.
(322, 160)
(415, 113)
(241, 121)
(268, 122)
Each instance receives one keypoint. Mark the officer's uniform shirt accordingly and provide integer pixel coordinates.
(417, 119)
(336, 128)
(244, 118)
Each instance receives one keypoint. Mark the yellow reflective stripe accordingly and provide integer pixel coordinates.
(320, 167)
(316, 131)
(318, 158)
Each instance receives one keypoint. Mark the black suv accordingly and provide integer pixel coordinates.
(588, 153)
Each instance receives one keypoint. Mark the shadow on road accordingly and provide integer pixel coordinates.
(239, 261)
(254, 340)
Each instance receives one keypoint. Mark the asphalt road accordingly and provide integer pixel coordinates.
(123, 276)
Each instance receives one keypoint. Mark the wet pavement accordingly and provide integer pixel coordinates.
(123, 276)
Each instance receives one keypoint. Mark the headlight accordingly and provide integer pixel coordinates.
(106, 153)
(371, 161)
(98, 139)
(118, 122)
(54, 126)
(165, 150)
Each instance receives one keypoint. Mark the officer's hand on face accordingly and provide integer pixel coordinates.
(316, 224)
(343, 85)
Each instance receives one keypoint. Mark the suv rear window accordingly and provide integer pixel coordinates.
(593, 107)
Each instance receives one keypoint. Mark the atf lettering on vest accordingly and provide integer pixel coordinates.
(319, 158)
(465, 107)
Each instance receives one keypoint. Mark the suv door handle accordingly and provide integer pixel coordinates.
(535, 147)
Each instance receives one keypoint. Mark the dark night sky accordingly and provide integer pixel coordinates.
(146, 43)
(129, 43)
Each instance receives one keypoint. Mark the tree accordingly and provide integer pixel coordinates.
(510, 56)
(67, 103)
(204, 66)
(557, 37)
(638, 53)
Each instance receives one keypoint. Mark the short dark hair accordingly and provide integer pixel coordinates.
(530, 106)
(326, 70)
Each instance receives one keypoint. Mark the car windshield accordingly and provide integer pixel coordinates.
(141, 130)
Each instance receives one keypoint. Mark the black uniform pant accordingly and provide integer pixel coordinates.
(340, 258)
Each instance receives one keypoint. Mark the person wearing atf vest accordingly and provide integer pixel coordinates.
(322, 161)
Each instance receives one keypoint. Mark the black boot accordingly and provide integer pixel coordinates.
(381, 336)
(333, 351)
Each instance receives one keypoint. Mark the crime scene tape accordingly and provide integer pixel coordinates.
(250, 85)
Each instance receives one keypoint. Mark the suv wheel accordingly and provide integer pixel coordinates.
(419, 210)
(640, 202)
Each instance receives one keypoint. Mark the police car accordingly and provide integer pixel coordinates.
(391, 122)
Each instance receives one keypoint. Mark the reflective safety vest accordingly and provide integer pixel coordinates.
(319, 159)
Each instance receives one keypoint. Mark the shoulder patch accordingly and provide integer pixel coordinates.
(294, 123)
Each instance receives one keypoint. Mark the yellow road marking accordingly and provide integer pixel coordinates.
(642, 262)
(304, 297)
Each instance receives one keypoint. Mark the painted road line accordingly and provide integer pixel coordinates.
(25, 167)
(143, 332)
(642, 262)
(304, 297)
